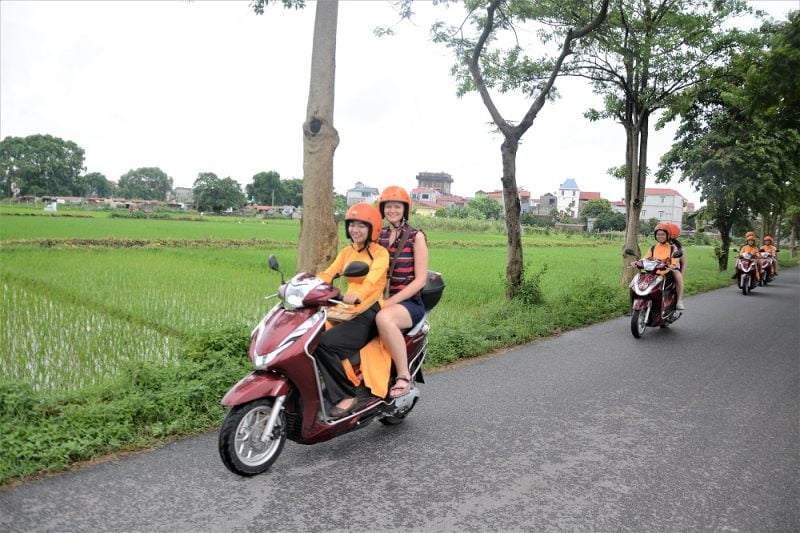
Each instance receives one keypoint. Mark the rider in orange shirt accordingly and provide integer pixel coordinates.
(770, 248)
(663, 249)
(751, 248)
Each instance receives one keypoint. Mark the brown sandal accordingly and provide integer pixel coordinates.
(402, 390)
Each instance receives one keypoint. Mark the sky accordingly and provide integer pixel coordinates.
(209, 86)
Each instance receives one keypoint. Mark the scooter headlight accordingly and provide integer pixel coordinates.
(261, 361)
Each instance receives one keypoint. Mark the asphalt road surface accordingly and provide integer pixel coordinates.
(691, 428)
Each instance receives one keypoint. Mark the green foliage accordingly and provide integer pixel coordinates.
(146, 404)
(40, 165)
(595, 208)
(488, 208)
(217, 195)
(266, 189)
(145, 183)
(609, 222)
(95, 184)
(530, 290)
(648, 227)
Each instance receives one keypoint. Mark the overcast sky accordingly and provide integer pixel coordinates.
(209, 86)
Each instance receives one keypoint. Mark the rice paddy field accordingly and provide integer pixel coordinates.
(118, 333)
(70, 315)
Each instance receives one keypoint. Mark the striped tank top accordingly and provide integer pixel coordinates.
(403, 273)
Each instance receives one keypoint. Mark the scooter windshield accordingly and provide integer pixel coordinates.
(297, 289)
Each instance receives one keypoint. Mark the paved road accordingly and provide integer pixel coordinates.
(693, 428)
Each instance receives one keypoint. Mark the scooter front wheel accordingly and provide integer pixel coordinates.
(638, 324)
(241, 447)
(745, 284)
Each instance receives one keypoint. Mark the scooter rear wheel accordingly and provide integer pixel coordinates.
(240, 445)
(638, 325)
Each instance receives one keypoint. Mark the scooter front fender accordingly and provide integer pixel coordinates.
(641, 303)
(256, 385)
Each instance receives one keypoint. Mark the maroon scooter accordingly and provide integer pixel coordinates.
(653, 295)
(766, 261)
(746, 267)
(284, 397)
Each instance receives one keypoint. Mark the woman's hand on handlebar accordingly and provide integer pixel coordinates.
(351, 298)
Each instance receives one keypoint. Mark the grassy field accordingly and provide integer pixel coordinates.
(107, 347)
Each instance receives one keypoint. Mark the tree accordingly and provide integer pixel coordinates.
(293, 192)
(318, 241)
(609, 221)
(39, 165)
(594, 208)
(481, 67)
(146, 183)
(647, 54)
(266, 189)
(744, 157)
(95, 184)
(489, 208)
(214, 194)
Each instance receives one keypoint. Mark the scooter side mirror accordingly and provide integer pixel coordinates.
(272, 261)
(677, 254)
(355, 269)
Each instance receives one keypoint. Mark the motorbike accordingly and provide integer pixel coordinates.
(746, 265)
(765, 261)
(284, 397)
(653, 295)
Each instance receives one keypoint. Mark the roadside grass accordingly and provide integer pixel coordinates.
(108, 349)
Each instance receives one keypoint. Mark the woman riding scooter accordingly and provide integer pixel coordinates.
(663, 249)
(403, 306)
(362, 226)
(750, 248)
(769, 247)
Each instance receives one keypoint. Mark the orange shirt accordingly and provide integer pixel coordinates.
(663, 251)
(368, 288)
(770, 249)
(749, 249)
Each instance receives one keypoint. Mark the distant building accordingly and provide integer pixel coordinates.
(184, 195)
(425, 199)
(568, 198)
(618, 207)
(525, 203)
(547, 202)
(664, 204)
(438, 181)
(361, 194)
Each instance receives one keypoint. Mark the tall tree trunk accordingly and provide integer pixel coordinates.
(514, 266)
(636, 133)
(318, 235)
(724, 249)
(793, 235)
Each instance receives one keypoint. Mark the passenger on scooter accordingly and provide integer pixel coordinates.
(770, 248)
(402, 307)
(751, 248)
(362, 226)
(663, 250)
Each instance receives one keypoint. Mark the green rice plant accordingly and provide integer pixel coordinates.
(40, 227)
(55, 344)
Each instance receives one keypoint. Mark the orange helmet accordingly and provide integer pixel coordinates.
(674, 231)
(768, 238)
(665, 228)
(750, 235)
(393, 193)
(369, 215)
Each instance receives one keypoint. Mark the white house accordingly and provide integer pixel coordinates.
(361, 194)
(664, 204)
(568, 198)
